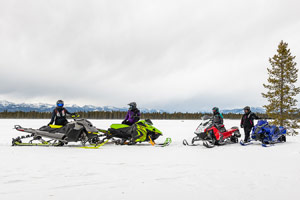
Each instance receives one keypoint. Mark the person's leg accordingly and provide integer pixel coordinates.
(247, 133)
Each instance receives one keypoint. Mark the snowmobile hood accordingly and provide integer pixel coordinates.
(262, 122)
(86, 124)
(149, 126)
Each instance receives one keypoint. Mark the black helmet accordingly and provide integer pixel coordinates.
(215, 109)
(60, 103)
(132, 105)
(247, 108)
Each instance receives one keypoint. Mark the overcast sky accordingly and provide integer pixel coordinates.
(167, 54)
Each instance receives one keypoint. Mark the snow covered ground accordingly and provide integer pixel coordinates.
(146, 172)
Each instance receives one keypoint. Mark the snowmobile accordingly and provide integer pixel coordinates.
(141, 131)
(267, 134)
(212, 134)
(78, 130)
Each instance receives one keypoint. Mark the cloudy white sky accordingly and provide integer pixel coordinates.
(187, 55)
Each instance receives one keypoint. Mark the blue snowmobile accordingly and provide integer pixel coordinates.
(268, 134)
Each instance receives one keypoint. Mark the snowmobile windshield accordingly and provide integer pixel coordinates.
(203, 125)
(206, 117)
(148, 121)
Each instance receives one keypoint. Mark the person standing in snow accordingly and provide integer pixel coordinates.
(247, 122)
(59, 114)
(217, 117)
(133, 115)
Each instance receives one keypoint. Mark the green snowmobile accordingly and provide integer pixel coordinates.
(141, 131)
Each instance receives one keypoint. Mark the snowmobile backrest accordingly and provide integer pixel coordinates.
(117, 126)
(55, 126)
(274, 130)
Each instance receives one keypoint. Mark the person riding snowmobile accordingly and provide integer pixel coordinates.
(59, 114)
(247, 122)
(217, 116)
(133, 114)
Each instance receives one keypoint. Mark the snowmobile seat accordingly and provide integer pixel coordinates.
(123, 132)
(221, 128)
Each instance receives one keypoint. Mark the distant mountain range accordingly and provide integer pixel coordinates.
(44, 107)
(241, 111)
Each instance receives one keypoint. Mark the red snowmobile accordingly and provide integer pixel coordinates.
(212, 134)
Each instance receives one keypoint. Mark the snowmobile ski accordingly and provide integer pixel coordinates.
(167, 142)
(267, 145)
(97, 146)
(185, 142)
(208, 144)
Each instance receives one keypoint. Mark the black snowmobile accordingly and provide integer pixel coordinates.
(78, 130)
(141, 131)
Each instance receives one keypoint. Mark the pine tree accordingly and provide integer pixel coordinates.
(282, 90)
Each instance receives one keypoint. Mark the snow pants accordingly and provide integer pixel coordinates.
(247, 131)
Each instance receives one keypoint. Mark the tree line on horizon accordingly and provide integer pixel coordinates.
(118, 115)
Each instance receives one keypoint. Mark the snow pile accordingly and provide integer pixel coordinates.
(146, 172)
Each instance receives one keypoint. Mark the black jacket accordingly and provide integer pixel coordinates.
(59, 116)
(247, 120)
(217, 119)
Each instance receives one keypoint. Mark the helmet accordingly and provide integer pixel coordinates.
(247, 108)
(132, 105)
(60, 103)
(215, 109)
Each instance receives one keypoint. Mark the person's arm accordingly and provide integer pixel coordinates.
(137, 115)
(257, 117)
(242, 122)
(127, 116)
(67, 112)
(52, 117)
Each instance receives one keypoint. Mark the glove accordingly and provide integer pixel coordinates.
(136, 118)
(124, 122)
(74, 115)
(242, 126)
